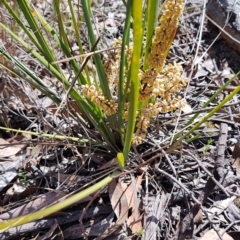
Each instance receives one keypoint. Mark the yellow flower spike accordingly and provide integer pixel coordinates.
(164, 34)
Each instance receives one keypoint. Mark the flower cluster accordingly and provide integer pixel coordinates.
(109, 107)
(163, 88)
(169, 81)
(164, 34)
(159, 84)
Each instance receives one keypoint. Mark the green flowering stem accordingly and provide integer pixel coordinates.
(134, 80)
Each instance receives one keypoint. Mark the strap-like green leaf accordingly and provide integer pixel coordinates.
(134, 79)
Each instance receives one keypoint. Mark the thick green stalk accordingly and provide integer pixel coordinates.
(99, 65)
(62, 32)
(134, 80)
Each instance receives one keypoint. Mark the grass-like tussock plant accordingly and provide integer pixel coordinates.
(124, 92)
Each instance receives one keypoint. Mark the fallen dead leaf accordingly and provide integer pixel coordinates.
(120, 206)
(7, 149)
(119, 202)
(236, 165)
(135, 220)
(6, 178)
(67, 179)
(14, 190)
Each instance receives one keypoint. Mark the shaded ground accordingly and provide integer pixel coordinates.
(171, 195)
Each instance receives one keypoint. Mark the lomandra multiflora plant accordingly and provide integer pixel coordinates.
(126, 91)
